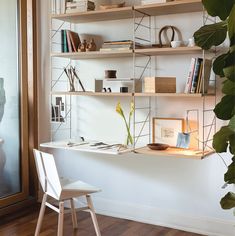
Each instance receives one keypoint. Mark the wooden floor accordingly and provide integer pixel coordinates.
(25, 223)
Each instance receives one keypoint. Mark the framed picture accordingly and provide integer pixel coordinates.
(165, 130)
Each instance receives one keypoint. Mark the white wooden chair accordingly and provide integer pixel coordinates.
(61, 190)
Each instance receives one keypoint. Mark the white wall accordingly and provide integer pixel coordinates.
(179, 193)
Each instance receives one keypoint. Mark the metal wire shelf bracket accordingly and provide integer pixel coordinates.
(141, 21)
(64, 126)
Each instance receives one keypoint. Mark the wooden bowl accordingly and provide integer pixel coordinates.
(158, 146)
(111, 6)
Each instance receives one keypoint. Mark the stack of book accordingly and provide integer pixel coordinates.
(198, 76)
(58, 6)
(69, 41)
(80, 6)
(146, 2)
(119, 45)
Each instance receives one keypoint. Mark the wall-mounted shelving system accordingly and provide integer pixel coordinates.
(138, 13)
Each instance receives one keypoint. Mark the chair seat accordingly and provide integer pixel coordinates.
(72, 189)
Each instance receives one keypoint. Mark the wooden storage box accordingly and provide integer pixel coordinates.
(160, 85)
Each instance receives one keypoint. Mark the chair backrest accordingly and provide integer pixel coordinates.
(47, 173)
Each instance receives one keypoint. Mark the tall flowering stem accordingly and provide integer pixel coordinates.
(127, 124)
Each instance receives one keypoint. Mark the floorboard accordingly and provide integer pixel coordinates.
(24, 223)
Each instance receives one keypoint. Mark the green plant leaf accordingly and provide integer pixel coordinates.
(211, 35)
(229, 69)
(231, 26)
(225, 109)
(231, 124)
(219, 8)
(219, 64)
(228, 201)
(229, 176)
(229, 87)
(221, 139)
(232, 144)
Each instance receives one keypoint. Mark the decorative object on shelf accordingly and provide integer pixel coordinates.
(207, 37)
(147, 2)
(123, 89)
(107, 90)
(91, 46)
(191, 42)
(176, 44)
(183, 140)
(56, 114)
(72, 75)
(98, 85)
(168, 39)
(83, 46)
(160, 85)
(129, 139)
(110, 74)
(165, 130)
(79, 6)
(158, 146)
(111, 6)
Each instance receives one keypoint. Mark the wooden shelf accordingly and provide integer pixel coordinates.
(94, 94)
(95, 16)
(188, 95)
(174, 7)
(128, 53)
(175, 152)
(168, 51)
(93, 55)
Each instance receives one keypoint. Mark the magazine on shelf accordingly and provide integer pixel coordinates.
(198, 76)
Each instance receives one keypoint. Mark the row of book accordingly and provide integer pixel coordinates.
(70, 41)
(80, 6)
(69, 6)
(198, 76)
(119, 45)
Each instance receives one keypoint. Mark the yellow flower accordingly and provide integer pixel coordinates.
(132, 108)
(119, 109)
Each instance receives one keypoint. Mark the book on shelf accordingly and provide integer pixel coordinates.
(205, 79)
(196, 73)
(69, 41)
(198, 76)
(58, 6)
(78, 9)
(79, 6)
(119, 45)
(190, 76)
(64, 45)
(75, 40)
(114, 49)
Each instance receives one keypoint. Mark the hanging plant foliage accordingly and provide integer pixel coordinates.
(223, 66)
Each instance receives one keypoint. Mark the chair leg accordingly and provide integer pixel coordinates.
(61, 219)
(74, 216)
(93, 215)
(41, 214)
